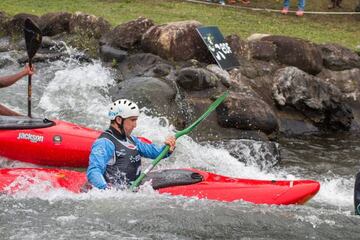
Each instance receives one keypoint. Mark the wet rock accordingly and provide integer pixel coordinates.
(82, 58)
(196, 79)
(4, 21)
(39, 57)
(238, 46)
(292, 123)
(263, 154)
(260, 50)
(178, 41)
(49, 43)
(128, 35)
(89, 25)
(4, 62)
(109, 54)
(338, 58)
(258, 87)
(162, 70)
(297, 52)
(155, 94)
(142, 64)
(5, 44)
(347, 81)
(16, 24)
(223, 75)
(319, 101)
(243, 111)
(210, 129)
(54, 23)
(255, 68)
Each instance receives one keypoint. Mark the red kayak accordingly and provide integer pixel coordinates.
(177, 182)
(45, 142)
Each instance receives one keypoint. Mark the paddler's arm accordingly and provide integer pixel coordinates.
(9, 80)
(151, 150)
(101, 152)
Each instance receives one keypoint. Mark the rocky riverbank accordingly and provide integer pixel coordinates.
(283, 85)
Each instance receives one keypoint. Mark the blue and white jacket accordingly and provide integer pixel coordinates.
(115, 160)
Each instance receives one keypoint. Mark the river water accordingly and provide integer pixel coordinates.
(77, 92)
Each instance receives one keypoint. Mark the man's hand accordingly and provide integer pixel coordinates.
(171, 141)
(27, 70)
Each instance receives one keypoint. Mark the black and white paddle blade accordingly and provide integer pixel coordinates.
(33, 37)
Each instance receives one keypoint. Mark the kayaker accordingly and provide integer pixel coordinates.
(10, 80)
(115, 158)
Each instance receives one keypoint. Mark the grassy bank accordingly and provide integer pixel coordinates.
(344, 30)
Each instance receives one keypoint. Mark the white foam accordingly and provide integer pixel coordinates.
(336, 191)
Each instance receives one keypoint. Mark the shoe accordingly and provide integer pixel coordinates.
(222, 2)
(245, 1)
(300, 13)
(285, 10)
(331, 6)
(232, 1)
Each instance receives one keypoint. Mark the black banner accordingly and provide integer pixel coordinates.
(219, 49)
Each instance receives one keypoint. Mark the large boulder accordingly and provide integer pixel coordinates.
(195, 104)
(223, 75)
(155, 94)
(297, 52)
(144, 64)
(348, 81)
(4, 20)
(127, 35)
(319, 101)
(16, 24)
(52, 24)
(263, 154)
(178, 41)
(260, 50)
(338, 58)
(5, 44)
(90, 25)
(110, 54)
(247, 112)
(196, 79)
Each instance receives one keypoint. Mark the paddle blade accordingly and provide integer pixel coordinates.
(357, 194)
(33, 37)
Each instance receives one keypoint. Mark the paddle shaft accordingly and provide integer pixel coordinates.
(33, 38)
(29, 90)
(212, 107)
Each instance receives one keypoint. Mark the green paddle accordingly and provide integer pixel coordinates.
(33, 39)
(212, 107)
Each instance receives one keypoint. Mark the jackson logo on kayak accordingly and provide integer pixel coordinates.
(31, 137)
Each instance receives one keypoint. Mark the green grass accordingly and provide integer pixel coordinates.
(343, 30)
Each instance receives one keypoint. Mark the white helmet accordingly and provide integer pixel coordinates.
(123, 108)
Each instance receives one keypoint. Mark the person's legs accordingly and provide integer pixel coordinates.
(332, 4)
(338, 2)
(301, 5)
(286, 3)
(285, 9)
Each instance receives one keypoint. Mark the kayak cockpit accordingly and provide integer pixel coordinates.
(173, 177)
(23, 122)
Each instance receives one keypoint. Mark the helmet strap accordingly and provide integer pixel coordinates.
(121, 128)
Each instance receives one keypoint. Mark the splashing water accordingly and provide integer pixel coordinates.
(78, 93)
